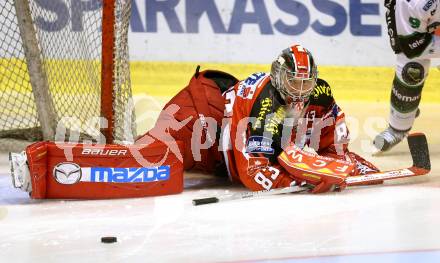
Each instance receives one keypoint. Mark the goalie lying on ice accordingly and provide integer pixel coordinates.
(255, 131)
(246, 128)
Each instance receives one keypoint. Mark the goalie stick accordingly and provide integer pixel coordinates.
(419, 150)
(418, 147)
(252, 194)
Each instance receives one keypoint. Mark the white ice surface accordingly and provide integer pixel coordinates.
(389, 218)
(399, 216)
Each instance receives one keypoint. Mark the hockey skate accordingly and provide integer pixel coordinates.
(387, 139)
(20, 172)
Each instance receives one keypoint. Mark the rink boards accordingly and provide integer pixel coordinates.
(348, 83)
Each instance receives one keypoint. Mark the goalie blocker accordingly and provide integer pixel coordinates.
(97, 171)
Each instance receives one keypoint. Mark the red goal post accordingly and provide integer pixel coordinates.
(64, 64)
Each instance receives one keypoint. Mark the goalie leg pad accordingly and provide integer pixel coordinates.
(103, 171)
(199, 100)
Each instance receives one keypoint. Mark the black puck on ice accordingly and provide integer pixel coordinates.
(109, 240)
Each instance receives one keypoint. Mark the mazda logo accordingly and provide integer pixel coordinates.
(67, 173)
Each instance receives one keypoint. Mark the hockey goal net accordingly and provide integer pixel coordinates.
(64, 64)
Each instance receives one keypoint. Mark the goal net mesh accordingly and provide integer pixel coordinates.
(69, 38)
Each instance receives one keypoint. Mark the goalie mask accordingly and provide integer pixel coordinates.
(294, 74)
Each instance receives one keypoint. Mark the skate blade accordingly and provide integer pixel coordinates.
(15, 181)
(11, 167)
(377, 153)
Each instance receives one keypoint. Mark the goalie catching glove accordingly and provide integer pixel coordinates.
(326, 173)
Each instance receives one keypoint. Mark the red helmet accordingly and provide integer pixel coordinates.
(294, 73)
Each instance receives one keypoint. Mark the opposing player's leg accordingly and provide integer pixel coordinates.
(406, 93)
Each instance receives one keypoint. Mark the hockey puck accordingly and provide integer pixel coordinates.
(108, 240)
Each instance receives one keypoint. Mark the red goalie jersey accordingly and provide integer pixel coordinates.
(251, 125)
(259, 128)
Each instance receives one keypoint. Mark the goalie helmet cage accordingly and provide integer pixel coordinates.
(63, 64)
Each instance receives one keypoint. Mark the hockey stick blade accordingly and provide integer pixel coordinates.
(418, 146)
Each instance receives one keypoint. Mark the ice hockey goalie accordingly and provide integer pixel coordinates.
(266, 131)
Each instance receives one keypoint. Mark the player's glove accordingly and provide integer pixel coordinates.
(327, 174)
